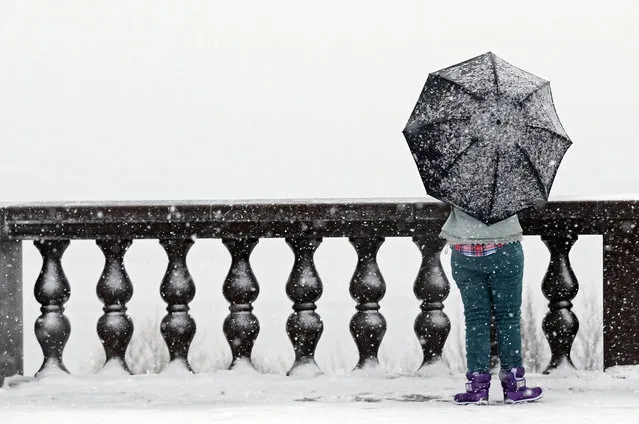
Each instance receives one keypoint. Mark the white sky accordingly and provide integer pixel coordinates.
(150, 99)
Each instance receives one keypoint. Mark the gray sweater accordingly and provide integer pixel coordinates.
(464, 229)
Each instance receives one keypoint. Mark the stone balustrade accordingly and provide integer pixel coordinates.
(303, 225)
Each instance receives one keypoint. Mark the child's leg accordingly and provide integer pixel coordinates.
(473, 285)
(506, 282)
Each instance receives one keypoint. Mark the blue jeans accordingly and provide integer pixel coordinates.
(491, 285)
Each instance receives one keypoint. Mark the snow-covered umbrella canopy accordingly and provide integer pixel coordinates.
(486, 137)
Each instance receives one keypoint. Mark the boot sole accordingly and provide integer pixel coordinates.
(479, 402)
(512, 402)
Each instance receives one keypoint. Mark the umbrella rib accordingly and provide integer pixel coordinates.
(445, 120)
(494, 189)
(456, 84)
(495, 76)
(535, 127)
(545, 83)
(473, 141)
(411, 134)
(531, 165)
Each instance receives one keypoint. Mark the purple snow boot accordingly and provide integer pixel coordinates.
(514, 385)
(476, 389)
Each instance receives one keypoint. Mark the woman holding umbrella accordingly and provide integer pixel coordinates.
(487, 140)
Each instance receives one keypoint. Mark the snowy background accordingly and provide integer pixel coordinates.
(169, 100)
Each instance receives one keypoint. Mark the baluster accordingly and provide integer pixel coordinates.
(114, 289)
(304, 327)
(432, 325)
(560, 286)
(367, 287)
(177, 290)
(241, 289)
(52, 291)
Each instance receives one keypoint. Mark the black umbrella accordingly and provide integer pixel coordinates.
(486, 138)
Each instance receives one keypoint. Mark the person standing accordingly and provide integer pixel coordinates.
(487, 263)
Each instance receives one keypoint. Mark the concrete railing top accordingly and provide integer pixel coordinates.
(278, 218)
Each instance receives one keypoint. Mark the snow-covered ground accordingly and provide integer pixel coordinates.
(237, 397)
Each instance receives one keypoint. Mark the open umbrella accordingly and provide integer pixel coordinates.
(486, 137)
